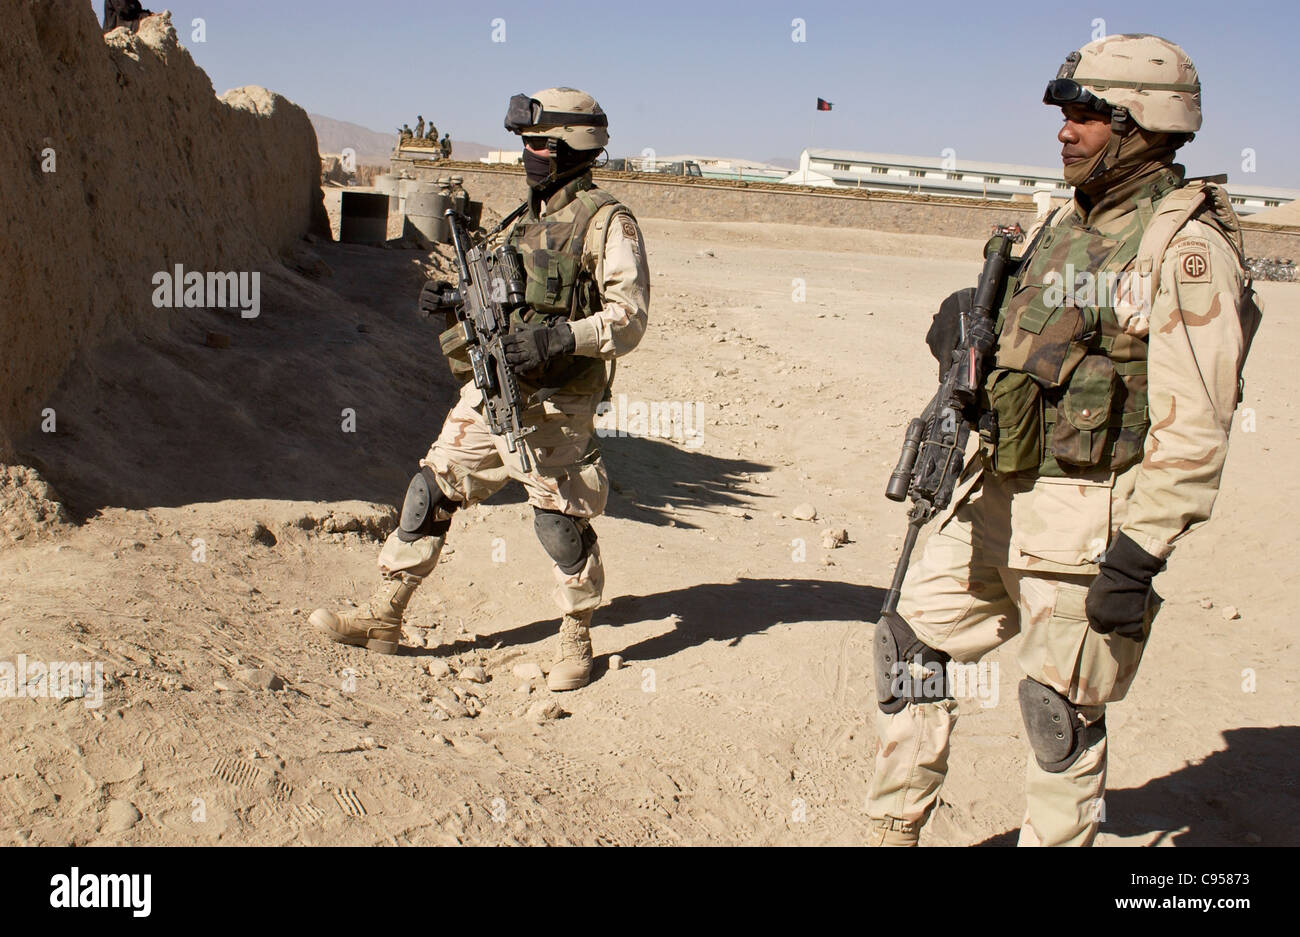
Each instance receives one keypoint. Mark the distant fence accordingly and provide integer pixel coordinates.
(694, 199)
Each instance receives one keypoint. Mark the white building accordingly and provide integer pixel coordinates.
(933, 175)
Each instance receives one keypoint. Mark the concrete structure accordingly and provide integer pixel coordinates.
(694, 199)
(948, 176)
(721, 167)
(507, 157)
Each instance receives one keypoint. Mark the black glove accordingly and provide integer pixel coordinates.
(531, 348)
(437, 296)
(945, 330)
(1119, 596)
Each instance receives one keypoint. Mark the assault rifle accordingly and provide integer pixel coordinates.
(934, 447)
(491, 288)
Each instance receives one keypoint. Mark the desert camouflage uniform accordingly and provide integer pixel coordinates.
(471, 464)
(1016, 552)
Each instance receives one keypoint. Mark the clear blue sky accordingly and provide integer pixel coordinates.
(724, 77)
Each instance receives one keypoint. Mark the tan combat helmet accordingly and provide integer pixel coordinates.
(1149, 78)
(561, 114)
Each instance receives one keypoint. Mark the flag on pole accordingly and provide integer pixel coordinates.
(824, 105)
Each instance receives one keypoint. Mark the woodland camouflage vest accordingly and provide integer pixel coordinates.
(558, 286)
(1069, 386)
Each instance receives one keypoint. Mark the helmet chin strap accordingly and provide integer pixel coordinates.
(1119, 130)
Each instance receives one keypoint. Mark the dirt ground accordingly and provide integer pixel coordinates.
(220, 499)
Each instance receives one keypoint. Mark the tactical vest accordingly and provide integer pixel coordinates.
(558, 287)
(1068, 389)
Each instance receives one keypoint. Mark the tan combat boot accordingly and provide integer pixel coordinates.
(377, 625)
(572, 668)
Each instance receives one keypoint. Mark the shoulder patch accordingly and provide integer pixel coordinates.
(629, 230)
(1194, 265)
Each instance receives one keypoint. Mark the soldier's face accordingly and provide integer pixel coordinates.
(1083, 135)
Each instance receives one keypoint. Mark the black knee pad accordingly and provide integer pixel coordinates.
(567, 540)
(895, 647)
(426, 512)
(1056, 731)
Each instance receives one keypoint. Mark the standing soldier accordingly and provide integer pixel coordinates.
(588, 295)
(1121, 338)
(445, 146)
(419, 128)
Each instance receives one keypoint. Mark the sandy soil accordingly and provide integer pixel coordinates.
(743, 712)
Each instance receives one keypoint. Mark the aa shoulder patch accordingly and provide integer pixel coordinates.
(1193, 260)
(629, 229)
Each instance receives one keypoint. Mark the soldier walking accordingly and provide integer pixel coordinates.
(588, 296)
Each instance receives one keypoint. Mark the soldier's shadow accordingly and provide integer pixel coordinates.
(661, 483)
(1245, 794)
(720, 611)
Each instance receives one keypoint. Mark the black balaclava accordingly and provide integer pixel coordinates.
(569, 163)
(536, 168)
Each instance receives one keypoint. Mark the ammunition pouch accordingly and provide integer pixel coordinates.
(1012, 441)
(1082, 420)
(456, 351)
(552, 277)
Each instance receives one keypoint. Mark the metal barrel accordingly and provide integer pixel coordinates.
(426, 212)
(364, 218)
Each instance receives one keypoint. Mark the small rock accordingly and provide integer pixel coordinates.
(1254, 838)
(453, 707)
(545, 710)
(263, 679)
(1207, 603)
(119, 817)
(221, 686)
(838, 534)
(437, 667)
(615, 661)
(738, 512)
(528, 670)
(524, 689)
(1230, 613)
(804, 512)
(474, 674)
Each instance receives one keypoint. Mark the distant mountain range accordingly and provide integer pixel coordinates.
(372, 146)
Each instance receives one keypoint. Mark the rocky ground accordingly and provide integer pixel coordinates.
(220, 493)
